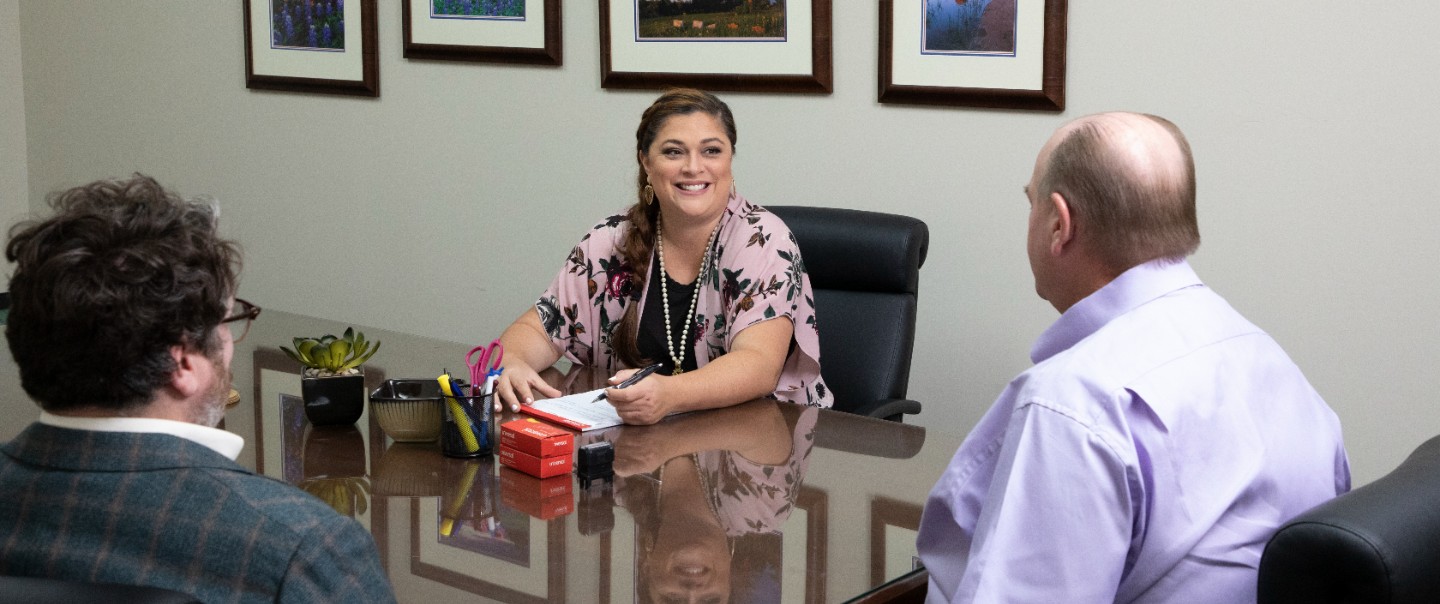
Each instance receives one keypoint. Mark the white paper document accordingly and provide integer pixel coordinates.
(576, 411)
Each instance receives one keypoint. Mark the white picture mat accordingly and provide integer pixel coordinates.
(327, 65)
(273, 384)
(795, 554)
(1024, 71)
(899, 550)
(517, 33)
(623, 558)
(792, 57)
(472, 564)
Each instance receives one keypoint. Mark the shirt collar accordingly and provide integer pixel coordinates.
(1141, 284)
(220, 441)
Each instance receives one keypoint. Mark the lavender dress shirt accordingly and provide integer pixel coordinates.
(1157, 443)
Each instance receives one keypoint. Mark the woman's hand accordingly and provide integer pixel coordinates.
(518, 384)
(526, 347)
(641, 403)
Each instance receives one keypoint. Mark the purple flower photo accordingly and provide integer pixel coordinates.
(307, 24)
(477, 9)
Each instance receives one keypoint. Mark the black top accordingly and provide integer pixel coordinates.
(650, 340)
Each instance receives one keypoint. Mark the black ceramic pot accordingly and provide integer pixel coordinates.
(333, 400)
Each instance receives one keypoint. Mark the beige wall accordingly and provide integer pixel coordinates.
(445, 206)
(14, 194)
(14, 191)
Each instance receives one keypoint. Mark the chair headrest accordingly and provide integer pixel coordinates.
(833, 239)
(1373, 544)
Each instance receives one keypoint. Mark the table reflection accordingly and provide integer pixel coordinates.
(332, 462)
(460, 530)
(721, 504)
(708, 527)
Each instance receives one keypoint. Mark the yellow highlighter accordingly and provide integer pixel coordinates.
(457, 412)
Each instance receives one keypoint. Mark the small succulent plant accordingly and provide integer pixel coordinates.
(330, 355)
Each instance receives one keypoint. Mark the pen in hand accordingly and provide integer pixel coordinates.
(639, 375)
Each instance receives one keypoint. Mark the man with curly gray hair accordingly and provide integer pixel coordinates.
(123, 321)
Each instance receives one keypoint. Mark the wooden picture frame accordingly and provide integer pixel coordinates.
(732, 51)
(532, 38)
(930, 56)
(269, 395)
(816, 504)
(886, 513)
(288, 53)
(457, 568)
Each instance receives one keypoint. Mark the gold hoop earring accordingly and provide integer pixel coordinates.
(649, 194)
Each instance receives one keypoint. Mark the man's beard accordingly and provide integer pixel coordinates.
(212, 410)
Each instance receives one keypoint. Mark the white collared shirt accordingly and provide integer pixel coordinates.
(220, 441)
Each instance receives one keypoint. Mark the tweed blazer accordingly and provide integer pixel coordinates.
(156, 509)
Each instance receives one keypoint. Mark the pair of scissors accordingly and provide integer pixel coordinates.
(484, 367)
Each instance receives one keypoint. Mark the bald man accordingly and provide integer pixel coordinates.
(1160, 438)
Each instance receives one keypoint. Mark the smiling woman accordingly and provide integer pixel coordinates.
(733, 319)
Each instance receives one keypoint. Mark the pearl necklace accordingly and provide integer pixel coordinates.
(694, 296)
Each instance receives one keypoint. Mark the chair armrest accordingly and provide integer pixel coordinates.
(909, 588)
(868, 435)
(887, 408)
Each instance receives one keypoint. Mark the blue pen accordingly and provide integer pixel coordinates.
(639, 375)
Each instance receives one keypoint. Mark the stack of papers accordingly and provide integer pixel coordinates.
(576, 411)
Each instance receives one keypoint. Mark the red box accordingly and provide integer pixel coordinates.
(543, 498)
(522, 485)
(539, 467)
(536, 438)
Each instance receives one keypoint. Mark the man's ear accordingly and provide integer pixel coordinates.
(1062, 229)
(187, 380)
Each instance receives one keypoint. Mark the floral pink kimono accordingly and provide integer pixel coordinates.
(757, 275)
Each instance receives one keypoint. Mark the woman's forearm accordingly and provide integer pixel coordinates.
(525, 340)
(749, 371)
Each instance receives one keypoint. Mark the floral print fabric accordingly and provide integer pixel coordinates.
(749, 497)
(757, 275)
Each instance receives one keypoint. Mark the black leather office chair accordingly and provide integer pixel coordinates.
(33, 590)
(865, 270)
(1379, 543)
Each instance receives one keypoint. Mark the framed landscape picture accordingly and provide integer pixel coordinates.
(1007, 54)
(502, 31)
(742, 45)
(325, 46)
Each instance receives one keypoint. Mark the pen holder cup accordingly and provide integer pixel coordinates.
(465, 429)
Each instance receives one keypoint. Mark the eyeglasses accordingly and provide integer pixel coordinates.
(244, 311)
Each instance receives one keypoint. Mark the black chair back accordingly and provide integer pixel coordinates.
(1379, 543)
(865, 270)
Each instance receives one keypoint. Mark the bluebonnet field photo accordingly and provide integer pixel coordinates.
(477, 9)
(307, 24)
(746, 19)
(970, 27)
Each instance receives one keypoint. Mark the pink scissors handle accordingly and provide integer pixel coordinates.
(490, 357)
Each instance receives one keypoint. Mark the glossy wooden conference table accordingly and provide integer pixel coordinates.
(453, 530)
